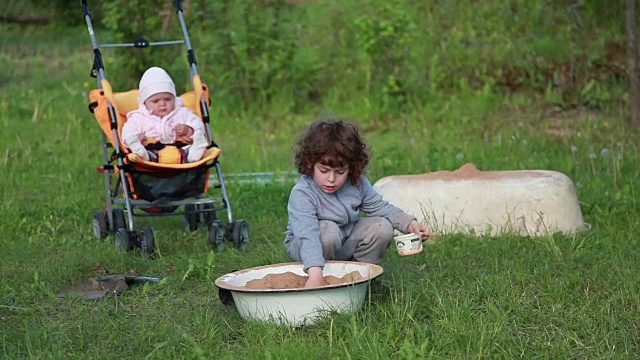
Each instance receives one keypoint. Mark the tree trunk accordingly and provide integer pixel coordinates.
(632, 56)
(25, 19)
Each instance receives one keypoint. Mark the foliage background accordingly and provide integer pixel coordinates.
(388, 56)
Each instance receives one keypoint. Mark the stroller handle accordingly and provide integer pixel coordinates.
(177, 3)
(85, 7)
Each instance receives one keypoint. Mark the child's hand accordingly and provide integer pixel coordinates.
(142, 138)
(417, 228)
(315, 277)
(183, 130)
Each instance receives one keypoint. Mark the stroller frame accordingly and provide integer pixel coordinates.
(120, 206)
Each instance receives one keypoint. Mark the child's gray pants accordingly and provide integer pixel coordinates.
(368, 241)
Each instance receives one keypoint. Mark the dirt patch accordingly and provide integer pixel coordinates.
(94, 288)
(291, 280)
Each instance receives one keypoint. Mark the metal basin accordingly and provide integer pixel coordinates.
(298, 306)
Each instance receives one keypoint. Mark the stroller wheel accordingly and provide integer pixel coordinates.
(191, 217)
(216, 235)
(209, 215)
(147, 242)
(100, 228)
(123, 241)
(118, 219)
(240, 234)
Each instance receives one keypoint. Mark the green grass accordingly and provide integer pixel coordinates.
(505, 297)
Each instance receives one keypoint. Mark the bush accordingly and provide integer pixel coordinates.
(387, 55)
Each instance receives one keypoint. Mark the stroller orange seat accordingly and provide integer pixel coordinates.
(124, 102)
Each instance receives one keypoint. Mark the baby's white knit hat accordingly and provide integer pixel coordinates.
(155, 80)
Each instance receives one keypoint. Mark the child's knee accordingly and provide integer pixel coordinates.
(330, 232)
(330, 237)
(381, 229)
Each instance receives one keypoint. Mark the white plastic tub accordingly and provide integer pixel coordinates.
(526, 202)
(298, 306)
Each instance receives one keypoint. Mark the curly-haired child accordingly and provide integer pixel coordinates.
(325, 205)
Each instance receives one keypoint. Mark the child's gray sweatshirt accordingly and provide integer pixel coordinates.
(308, 204)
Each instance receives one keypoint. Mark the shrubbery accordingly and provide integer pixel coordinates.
(387, 55)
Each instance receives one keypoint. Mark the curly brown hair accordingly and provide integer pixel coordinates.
(334, 143)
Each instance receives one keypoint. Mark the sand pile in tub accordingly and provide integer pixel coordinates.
(290, 280)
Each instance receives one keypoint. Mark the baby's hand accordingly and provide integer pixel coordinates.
(142, 138)
(183, 130)
(417, 228)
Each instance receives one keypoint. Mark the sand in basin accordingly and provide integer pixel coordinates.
(290, 280)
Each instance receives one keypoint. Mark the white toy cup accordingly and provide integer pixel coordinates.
(408, 244)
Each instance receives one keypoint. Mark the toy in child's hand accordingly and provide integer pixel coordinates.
(183, 130)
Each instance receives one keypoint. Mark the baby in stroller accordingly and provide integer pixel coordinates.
(161, 120)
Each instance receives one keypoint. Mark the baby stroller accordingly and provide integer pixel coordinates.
(135, 187)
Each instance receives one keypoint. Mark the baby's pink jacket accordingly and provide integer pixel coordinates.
(141, 121)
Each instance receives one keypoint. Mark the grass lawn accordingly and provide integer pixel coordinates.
(554, 297)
